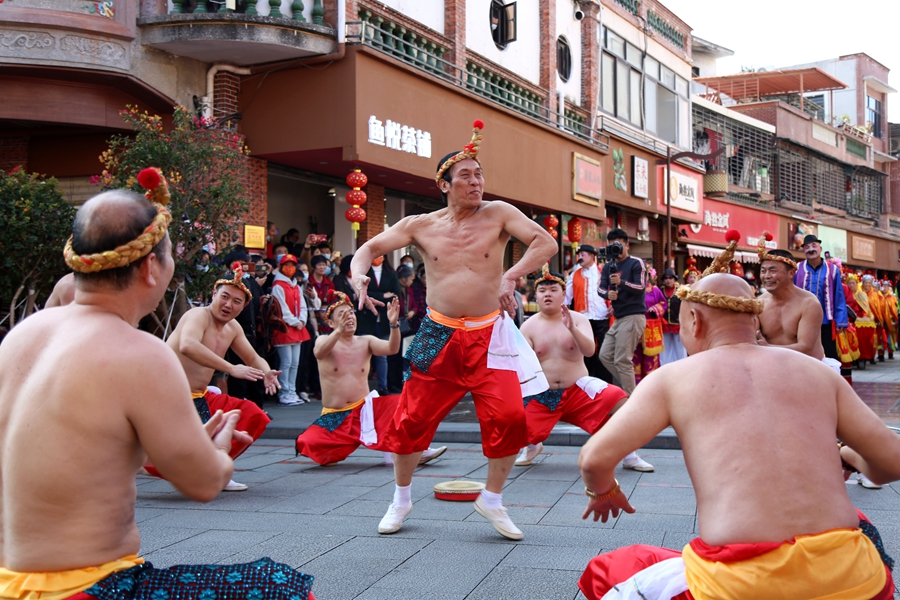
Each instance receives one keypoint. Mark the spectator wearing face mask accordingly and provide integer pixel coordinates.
(294, 312)
(383, 285)
(280, 251)
(323, 285)
(409, 261)
(271, 232)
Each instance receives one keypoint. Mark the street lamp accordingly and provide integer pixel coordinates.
(670, 255)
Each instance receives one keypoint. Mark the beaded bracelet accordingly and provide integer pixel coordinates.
(595, 496)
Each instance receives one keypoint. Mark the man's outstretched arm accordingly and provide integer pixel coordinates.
(398, 236)
(541, 246)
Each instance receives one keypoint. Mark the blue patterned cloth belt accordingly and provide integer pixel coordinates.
(870, 532)
(426, 346)
(260, 580)
(332, 420)
(202, 407)
(550, 398)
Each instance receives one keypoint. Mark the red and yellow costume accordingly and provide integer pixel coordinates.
(841, 563)
(865, 323)
(448, 358)
(586, 404)
(339, 431)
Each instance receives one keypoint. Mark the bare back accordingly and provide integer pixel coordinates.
(561, 360)
(218, 337)
(69, 450)
(758, 428)
(463, 259)
(791, 318)
(344, 372)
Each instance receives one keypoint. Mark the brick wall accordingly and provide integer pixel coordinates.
(13, 153)
(590, 58)
(226, 87)
(547, 9)
(894, 196)
(766, 113)
(455, 29)
(374, 207)
(660, 247)
(256, 179)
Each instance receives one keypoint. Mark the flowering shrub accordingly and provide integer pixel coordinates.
(203, 164)
(35, 222)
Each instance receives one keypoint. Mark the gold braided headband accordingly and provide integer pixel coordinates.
(732, 303)
(470, 150)
(763, 252)
(546, 277)
(237, 282)
(153, 180)
(342, 299)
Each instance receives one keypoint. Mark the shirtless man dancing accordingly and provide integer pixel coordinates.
(351, 415)
(561, 339)
(200, 341)
(785, 532)
(791, 316)
(70, 446)
(463, 246)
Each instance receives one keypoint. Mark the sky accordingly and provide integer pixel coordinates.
(780, 33)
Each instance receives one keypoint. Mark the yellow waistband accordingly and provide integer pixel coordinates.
(57, 585)
(328, 411)
(842, 563)
(196, 395)
(469, 323)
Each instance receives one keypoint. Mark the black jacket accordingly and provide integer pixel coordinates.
(389, 283)
(632, 290)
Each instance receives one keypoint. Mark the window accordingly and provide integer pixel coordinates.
(503, 23)
(874, 115)
(563, 58)
(695, 71)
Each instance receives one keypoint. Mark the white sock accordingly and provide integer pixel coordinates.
(402, 495)
(531, 447)
(633, 455)
(492, 500)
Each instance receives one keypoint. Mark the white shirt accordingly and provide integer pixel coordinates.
(378, 271)
(597, 309)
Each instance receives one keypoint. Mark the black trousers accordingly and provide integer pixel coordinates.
(594, 366)
(829, 344)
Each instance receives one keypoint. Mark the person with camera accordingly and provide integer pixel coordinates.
(623, 281)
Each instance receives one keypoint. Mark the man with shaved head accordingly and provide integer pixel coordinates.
(758, 427)
(85, 400)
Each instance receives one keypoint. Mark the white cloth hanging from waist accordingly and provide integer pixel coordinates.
(591, 385)
(662, 581)
(833, 364)
(510, 351)
(367, 433)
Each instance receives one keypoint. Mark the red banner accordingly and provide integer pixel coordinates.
(719, 217)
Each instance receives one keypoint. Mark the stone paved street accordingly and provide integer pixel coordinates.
(323, 521)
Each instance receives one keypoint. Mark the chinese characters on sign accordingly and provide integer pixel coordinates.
(254, 237)
(587, 180)
(715, 219)
(399, 137)
(683, 190)
(640, 178)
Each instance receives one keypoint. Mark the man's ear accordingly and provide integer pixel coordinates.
(148, 271)
(698, 325)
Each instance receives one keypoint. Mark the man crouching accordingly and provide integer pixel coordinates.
(85, 398)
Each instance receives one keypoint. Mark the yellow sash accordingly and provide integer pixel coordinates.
(196, 395)
(842, 563)
(57, 585)
(328, 411)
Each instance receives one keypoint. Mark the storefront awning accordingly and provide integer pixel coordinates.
(712, 252)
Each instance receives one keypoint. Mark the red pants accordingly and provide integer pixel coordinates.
(451, 370)
(867, 343)
(253, 420)
(576, 408)
(334, 436)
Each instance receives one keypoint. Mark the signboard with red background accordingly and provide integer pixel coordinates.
(719, 217)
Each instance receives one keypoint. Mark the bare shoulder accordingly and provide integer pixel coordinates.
(810, 302)
(579, 319)
(530, 325)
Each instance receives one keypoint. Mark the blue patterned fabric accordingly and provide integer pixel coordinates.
(332, 421)
(870, 532)
(260, 580)
(202, 407)
(427, 345)
(550, 398)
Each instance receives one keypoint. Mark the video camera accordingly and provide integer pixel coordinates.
(612, 251)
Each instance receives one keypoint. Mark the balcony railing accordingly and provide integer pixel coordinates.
(277, 9)
(632, 6)
(426, 53)
(662, 27)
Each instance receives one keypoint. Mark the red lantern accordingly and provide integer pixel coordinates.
(575, 233)
(551, 222)
(357, 179)
(356, 197)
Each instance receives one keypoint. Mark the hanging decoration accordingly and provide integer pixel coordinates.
(551, 222)
(356, 198)
(575, 233)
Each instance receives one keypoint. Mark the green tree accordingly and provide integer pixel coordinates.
(204, 164)
(35, 222)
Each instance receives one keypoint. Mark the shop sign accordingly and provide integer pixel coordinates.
(719, 217)
(254, 237)
(587, 180)
(640, 177)
(862, 248)
(399, 137)
(683, 190)
(797, 230)
(590, 232)
(834, 241)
